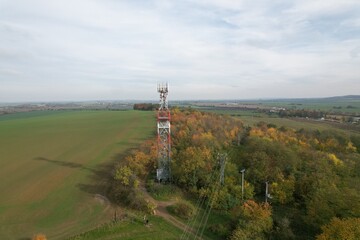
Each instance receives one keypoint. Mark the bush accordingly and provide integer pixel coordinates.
(136, 200)
(220, 229)
(39, 236)
(160, 191)
(182, 209)
(131, 197)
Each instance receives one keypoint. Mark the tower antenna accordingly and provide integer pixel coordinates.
(163, 172)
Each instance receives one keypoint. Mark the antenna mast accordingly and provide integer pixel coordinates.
(163, 172)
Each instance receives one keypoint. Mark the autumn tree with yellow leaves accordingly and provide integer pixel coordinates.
(341, 229)
(313, 175)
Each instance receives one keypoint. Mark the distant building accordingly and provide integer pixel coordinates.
(277, 109)
(356, 120)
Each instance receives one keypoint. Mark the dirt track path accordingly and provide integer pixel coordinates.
(162, 212)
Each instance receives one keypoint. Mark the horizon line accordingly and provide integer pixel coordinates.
(175, 100)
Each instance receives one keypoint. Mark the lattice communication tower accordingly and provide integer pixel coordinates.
(163, 172)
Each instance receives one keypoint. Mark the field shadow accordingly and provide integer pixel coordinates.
(102, 177)
(99, 180)
(64, 163)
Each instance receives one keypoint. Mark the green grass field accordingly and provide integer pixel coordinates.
(133, 228)
(335, 105)
(299, 123)
(50, 162)
(251, 118)
(286, 122)
(328, 105)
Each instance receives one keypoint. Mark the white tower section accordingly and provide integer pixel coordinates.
(163, 172)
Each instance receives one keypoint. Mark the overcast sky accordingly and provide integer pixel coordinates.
(205, 49)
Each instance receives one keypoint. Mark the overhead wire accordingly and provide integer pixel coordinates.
(205, 215)
(208, 209)
(200, 202)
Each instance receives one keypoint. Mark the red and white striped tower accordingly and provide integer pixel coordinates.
(163, 172)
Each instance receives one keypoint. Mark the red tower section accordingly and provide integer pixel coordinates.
(163, 172)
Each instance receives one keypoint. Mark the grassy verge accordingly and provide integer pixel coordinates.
(133, 228)
(163, 192)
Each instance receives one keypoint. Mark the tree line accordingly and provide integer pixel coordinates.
(303, 113)
(145, 106)
(313, 176)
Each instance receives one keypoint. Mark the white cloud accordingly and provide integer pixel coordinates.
(318, 8)
(96, 49)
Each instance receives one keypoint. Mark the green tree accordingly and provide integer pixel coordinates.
(124, 174)
(283, 190)
(255, 221)
(341, 229)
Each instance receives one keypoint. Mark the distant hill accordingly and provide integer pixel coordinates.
(347, 98)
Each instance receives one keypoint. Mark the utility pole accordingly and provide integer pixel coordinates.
(238, 139)
(266, 191)
(242, 184)
(267, 194)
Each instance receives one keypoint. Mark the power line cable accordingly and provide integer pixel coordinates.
(200, 202)
(208, 207)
